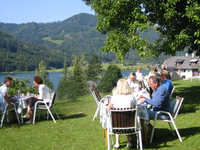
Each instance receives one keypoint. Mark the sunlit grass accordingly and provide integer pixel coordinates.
(77, 131)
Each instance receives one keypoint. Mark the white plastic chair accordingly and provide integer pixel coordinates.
(175, 106)
(124, 121)
(172, 91)
(98, 100)
(46, 105)
(5, 112)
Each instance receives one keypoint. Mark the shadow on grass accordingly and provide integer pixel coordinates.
(163, 136)
(42, 116)
(77, 115)
(191, 98)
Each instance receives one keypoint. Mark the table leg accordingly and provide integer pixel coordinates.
(105, 136)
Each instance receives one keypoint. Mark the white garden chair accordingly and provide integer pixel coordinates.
(126, 122)
(46, 105)
(5, 112)
(172, 92)
(175, 106)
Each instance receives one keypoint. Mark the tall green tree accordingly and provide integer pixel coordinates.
(73, 86)
(79, 77)
(123, 21)
(94, 68)
(110, 78)
(42, 72)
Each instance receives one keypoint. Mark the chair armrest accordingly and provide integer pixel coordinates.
(40, 102)
(163, 113)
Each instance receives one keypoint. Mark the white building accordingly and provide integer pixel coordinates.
(185, 66)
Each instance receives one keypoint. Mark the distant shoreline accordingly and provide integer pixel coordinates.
(104, 66)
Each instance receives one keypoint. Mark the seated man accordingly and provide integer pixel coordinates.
(132, 82)
(160, 98)
(166, 81)
(4, 99)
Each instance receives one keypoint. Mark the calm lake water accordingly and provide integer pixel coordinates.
(53, 76)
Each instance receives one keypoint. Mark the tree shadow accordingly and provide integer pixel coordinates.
(191, 96)
(163, 136)
(74, 116)
(43, 117)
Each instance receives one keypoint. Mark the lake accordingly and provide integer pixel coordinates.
(53, 76)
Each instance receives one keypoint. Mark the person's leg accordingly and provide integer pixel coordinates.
(117, 143)
(32, 105)
(151, 114)
(129, 141)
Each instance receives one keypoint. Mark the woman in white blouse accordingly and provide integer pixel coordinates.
(122, 98)
(44, 93)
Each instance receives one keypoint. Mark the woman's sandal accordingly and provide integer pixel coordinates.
(26, 116)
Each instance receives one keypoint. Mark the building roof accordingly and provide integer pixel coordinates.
(182, 62)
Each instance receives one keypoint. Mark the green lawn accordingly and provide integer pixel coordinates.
(77, 131)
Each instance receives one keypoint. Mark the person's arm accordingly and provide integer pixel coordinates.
(40, 91)
(5, 95)
(157, 98)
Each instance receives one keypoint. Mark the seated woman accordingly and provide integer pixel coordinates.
(122, 98)
(44, 93)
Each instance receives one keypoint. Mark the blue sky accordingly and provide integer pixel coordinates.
(23, 11)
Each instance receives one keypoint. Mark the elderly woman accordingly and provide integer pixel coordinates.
(122, 98)
(44, 93)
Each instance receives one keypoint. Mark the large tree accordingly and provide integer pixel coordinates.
(123, 21)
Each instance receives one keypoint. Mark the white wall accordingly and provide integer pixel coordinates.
(185, 72)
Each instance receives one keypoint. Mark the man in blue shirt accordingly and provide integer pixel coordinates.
(160, 99)
(166, 82)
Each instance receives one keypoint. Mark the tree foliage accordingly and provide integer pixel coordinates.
(20, 85)
(110, 78)
(177, 21)
(18, 55)
(74, 85)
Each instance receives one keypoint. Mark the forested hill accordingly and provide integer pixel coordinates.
(77, 34)
(74, 36)
(18, 55)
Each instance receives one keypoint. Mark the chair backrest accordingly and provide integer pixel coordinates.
(123, 121)
(173, 89)
(96, 95)
(52, 100)
(175, 106)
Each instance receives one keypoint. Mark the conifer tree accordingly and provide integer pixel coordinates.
(94, 68)
(79, 78)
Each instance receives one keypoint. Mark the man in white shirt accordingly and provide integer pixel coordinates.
(132, 82)
(139, 75)
(4, 99)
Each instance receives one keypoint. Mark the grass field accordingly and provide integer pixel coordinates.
(77, 131)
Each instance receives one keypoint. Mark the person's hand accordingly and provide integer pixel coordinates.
(110, 106)
(35, 96)
(141, 100)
